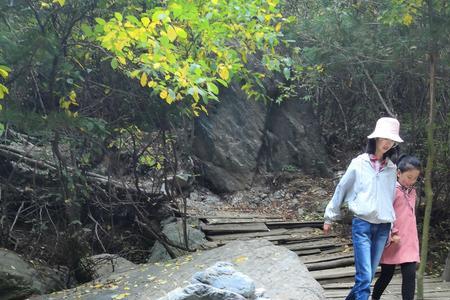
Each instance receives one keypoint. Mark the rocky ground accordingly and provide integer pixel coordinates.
(273, 272)
(291, 195)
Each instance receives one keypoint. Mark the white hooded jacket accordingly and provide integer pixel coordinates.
(369, 194)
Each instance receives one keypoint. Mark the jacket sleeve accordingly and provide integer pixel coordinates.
(344, 188)
(394, 228)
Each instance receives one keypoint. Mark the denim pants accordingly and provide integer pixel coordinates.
(368, 244)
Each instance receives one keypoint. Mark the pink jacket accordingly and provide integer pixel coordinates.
(405, 226)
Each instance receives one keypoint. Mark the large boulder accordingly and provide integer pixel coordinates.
(276, 269)
(174, 233)
(241, 137)
(19, 279)
(228, 139)
(294, 139)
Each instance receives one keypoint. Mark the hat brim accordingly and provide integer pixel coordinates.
(393, 137)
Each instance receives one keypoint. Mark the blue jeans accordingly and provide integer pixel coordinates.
(368, 244)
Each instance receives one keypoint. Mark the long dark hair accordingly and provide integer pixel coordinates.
(392, 153)
(408, 162)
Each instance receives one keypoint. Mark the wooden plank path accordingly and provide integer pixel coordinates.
(328, 258)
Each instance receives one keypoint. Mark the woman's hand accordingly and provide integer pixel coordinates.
(326, 228)
(395, 239)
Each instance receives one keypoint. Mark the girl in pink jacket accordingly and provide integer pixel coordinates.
(403, 249)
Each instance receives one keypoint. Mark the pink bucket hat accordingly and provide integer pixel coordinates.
(387, 128)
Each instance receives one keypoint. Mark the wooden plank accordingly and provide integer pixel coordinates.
(237, 215)
(236, 236)
(233, 228)
(396, 282)
(296, 239)
(336, 263)
(238, 220)
(306, 252)
(340, 249)
(302, 230)
(295, 224)
(335, 273)
(315, 244)
(328, 257)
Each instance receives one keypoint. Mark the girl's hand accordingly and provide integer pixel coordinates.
(395, 239)
(326, 228)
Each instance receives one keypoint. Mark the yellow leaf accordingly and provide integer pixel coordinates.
(195, 94)
(121, 296)
(134, 73)
(145, 21)
(171, 33)
(144, 79)
(240, 259)
(407, 19)
(169, 100)
(244, 56)
(61, 2)
(272, 3)
(163, 94)
(180, 32)
(72, 95)
(3, 73)
(122, 60)
(223, 72)
(152, 84)
(259, 35)
(278, 27)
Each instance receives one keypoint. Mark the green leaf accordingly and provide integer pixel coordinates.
(4, 70)
(100, 21)
(222, 82)
(287, 73)
(114, 63)
(212, 88)
(181, 32)
(132, 19)
(118, 16)
(86, 29)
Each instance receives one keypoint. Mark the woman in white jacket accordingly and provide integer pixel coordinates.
(368, 187)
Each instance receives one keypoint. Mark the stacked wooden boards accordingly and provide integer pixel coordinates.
(328, 258)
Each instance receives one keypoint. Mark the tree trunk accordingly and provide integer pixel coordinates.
(430, 160)
(446, 274)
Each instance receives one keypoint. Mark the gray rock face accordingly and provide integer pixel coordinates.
(275, 269)
(227, 141)
(174, 232)
(240, 136)
(294, 140)
(18, 279)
